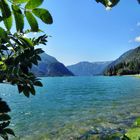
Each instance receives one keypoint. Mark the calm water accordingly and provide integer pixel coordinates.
(68, 107)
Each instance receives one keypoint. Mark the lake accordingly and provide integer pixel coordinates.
(70, 107)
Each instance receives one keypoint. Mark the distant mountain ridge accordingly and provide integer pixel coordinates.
(50, 66)
(88, 68)
(127, 63)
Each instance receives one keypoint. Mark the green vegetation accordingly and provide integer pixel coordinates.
(110, 3)
(17, 52)
(127, 64)
(127, 68)
(131, 134)
(5, 120)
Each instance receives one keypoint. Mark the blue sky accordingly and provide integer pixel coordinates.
(84, 31)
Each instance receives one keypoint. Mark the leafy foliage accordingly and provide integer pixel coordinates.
(110, 3)
(32, 21)
(30, 8)
(137, 122)
(33, 4)
(5, 120)
(18, 53)
(19, 18)
(43, 14)
(6, 14)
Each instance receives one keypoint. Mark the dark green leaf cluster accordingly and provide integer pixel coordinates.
(110, 3)
(19, 53)
(5, 120)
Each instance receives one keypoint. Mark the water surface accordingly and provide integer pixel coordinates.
(68, 107)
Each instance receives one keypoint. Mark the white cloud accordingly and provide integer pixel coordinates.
(138, 24)
(137, 39)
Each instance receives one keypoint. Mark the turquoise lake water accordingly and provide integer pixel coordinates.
(68, 107)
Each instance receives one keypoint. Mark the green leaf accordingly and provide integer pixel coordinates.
(34, 60)
(9, 131)
(137, 122)
(3, 47)
(32, 90)
(38, 57)
(3, 34)
(20, 88)
(5, 124)
(133, 134)
(26, 92)
(39, 51)
(26, 41)
(104, 2)
(5, 9)
(43, 14)
(4, 108)
(38, 83)
(4, 135)
(125, 138)
(19, 18)
(20, 1)
(32, 4)
(4, 117)
(1, 18)
(108, 3)
(32, 21)
(114, 2)
(6, 14)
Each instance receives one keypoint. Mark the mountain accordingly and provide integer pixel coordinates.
(88, 69)
(128, 63)
(49, 66)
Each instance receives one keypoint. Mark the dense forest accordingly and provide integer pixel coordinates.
(127, 64)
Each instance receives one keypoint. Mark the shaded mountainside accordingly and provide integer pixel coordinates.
(88, 69)
(49, 66)
(128, 63)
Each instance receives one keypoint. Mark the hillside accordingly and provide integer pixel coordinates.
(88, 69)
(128, 63)
(49, 66)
